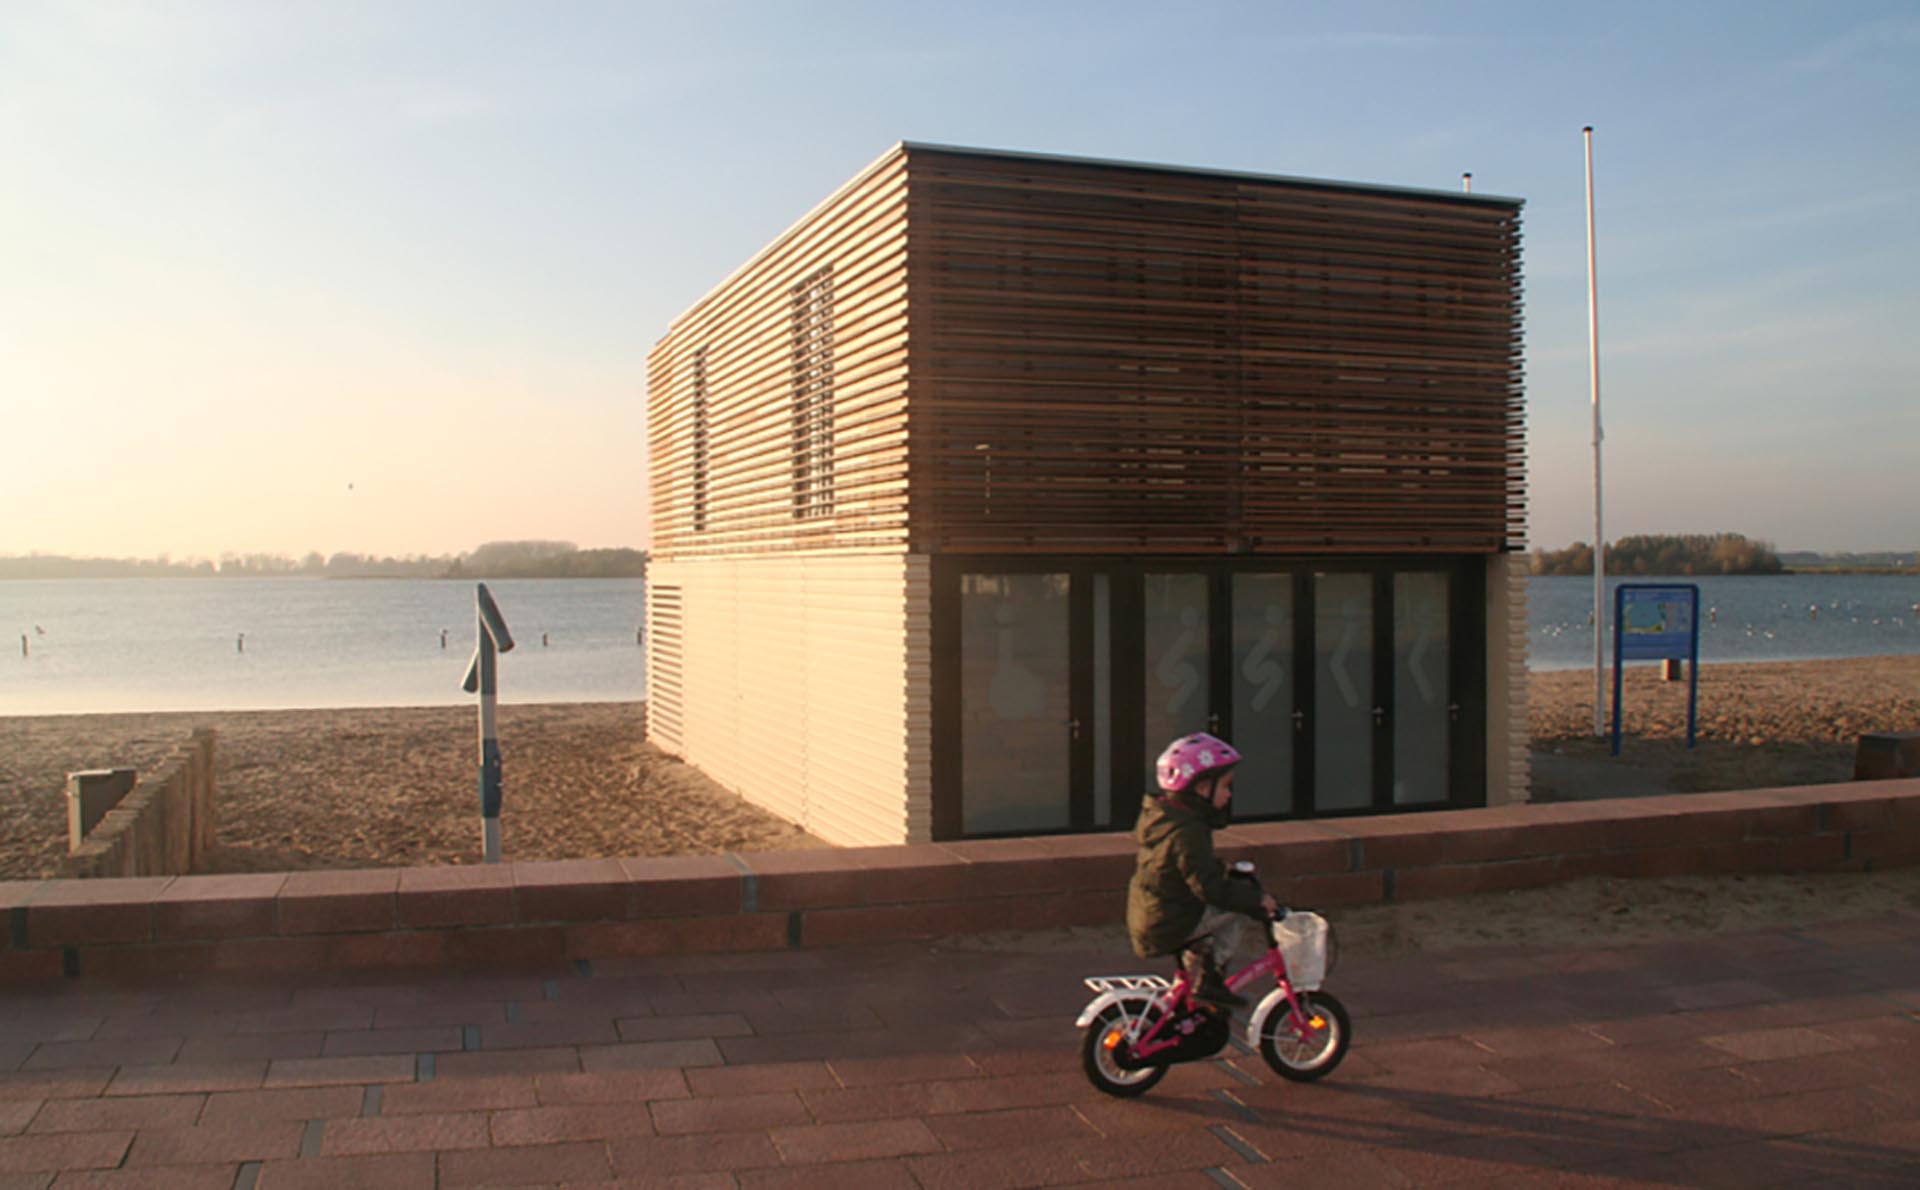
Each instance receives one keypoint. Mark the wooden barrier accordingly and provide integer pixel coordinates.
(163, 826)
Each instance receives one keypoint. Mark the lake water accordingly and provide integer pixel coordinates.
(96, 645)
(1790, 617)
(174, 644)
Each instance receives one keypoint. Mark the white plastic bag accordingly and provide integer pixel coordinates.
(1302, 939)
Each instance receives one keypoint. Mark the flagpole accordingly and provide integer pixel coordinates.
(1599, 538)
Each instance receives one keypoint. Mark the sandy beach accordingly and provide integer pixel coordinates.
(391, 787)
(396, 786)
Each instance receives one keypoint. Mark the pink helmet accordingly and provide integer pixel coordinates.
(1192, 758)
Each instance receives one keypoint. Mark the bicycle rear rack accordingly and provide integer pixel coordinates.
(1128, 983)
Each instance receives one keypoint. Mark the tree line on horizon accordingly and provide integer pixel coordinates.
(1659, 554)
(494, 559)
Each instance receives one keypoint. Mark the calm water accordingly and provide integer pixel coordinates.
(169, 644)
(1770, 618)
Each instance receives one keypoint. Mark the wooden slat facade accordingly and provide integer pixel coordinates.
(1029, 354)
(776, 406)
(1114, 358)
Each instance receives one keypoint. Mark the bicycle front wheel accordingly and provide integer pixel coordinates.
(1304, 1054)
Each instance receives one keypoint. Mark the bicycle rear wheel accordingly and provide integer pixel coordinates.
(1109, 1033)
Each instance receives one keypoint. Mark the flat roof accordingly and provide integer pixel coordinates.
(1198, 171)
(907, 146)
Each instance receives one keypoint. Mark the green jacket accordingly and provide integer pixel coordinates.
(1176, 877)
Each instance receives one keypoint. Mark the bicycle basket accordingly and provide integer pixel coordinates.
(1305, 942)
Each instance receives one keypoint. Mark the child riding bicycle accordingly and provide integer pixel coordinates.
(1181, 897)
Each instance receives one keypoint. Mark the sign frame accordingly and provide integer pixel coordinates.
(1667, 642)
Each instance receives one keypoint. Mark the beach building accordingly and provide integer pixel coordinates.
(996, 471)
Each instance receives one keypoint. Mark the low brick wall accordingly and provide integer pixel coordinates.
(532, 914)
(162, 827)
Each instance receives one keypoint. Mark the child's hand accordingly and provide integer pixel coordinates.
(1268, 904)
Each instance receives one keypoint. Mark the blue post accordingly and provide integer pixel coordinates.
(492, 634)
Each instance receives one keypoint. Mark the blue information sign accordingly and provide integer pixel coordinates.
(1657, 622)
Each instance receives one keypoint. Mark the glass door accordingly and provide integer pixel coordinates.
(1344, 712)
(1423, 708)
(1016, 724)
(1175, 622)
(1266, 719)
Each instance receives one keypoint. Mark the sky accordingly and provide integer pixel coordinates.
(382, 277)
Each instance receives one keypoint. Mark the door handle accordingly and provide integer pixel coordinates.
(1453, 712)
(1379, 716)
(1299, 720)
(1073, 729)
(1213, 722)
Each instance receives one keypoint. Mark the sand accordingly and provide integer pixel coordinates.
(397, 786)
(1759, 725)
(391, 787)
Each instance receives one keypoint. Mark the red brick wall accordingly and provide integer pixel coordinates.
(543, 914)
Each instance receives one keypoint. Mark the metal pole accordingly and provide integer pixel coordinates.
(1599, 537)
(489, 750)
(491, 633)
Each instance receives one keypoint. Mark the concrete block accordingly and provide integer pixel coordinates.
(1887, 755)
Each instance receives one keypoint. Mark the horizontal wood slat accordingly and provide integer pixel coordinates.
(1117, 359)
(1046, 355)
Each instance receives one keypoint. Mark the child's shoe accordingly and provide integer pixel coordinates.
(1208, 985)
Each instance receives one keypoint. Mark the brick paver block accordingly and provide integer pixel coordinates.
(70, 1150)
(152, 1177)
(530, 1165)
(81, 1055)
(360, 1043)
(584, 1121)
(729, 1113)
(841, 1175)
(770, 1076)
(298, 1103)
(572, 1030)
(1760, 1045)
(321, 1072)
(16, 1114)
(458, 1095)
(612, 1086)
(486, 1064)
(917, 1068)
(184, 1077)
(682, 1028)
(54, 1084)
(405, 1134)
(249, 1046)
(389, 1171)
(228, 1140)
(641, 1055)
(655, 1156)
(1021, 1126)
(853, 1142)
(104, 1115)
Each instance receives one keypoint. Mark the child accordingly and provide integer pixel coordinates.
(1181, 898)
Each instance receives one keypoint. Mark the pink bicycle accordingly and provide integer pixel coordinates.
(1137, 1026)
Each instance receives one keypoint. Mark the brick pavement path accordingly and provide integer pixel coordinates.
(1787, 1057)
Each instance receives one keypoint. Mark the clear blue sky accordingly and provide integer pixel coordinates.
(253, 253)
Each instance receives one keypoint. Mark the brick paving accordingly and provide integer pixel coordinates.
(1786, 1057)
